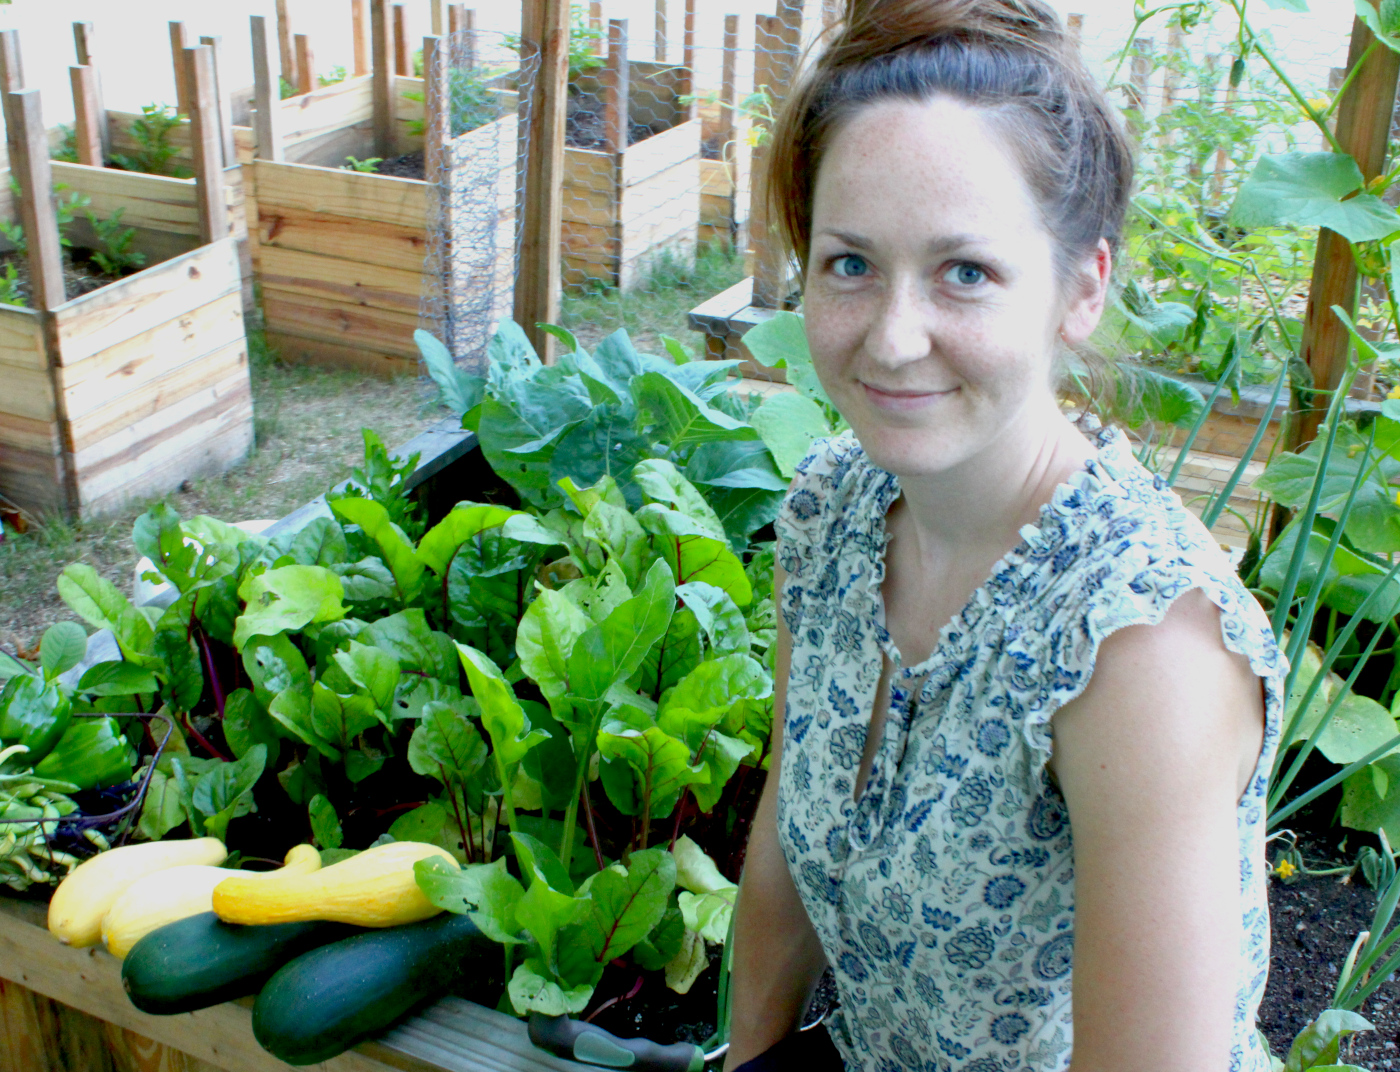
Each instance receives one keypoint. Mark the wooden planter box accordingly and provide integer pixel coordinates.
(622, 209)
(129, 390)
(64, 1010)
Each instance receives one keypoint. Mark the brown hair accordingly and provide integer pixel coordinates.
(1011, 57)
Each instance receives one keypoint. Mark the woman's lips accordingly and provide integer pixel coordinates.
(902, 399)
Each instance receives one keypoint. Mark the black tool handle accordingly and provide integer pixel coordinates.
(574, 1039)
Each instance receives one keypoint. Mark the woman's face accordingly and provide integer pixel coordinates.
(932, 300)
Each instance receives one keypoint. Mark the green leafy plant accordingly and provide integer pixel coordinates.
(114, 254)
(336, 74)
(66, 148)
(10, 292)
(369, 165)
(154, 155)
(64, 210)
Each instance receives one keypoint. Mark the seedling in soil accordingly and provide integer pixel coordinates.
(152, 134)
(369, 164)
(114, 254)
(9, 288)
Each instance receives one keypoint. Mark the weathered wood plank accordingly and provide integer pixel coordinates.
(315, 114)
(91, 323)
(589, 207)
(34, 480)
(138, 362)
(388, 244)
(122, 418)
(21, 339)
(302, 351)
(402, 202)
(660, 152)
(306, 317)
(586, 169)
(154, 201)
(28, 393)
(341, 280)
(26, 433)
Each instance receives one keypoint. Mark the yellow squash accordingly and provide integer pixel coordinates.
(180, 892)
(83, 898)
(375, 888)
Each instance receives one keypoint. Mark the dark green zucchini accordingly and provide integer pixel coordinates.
(327, 1000)
(201, 960)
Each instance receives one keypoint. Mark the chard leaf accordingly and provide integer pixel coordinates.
(325, 824)
(275, 664)
(366, 580)
(245, 724)
(292, 710)
(372, 669)
(446, 744)
(548, 630)
(717, 615)
(616, 529)
(532, 990)
(442, 542)
(1318, 1043)
(693, 555)
(622, 910)
(288, 599)
(418, 648)
(321, 542)
(117, 679)
(613, 649)
(63, 646)
(226, 791)
(337, 718)
(394, 547)
(162, 810)
(654, 951)
(505, 720)
(688, 964)
(659, 762)
(663, 483)
(487, 893)
(101, 604)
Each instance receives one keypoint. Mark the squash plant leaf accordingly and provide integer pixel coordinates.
(1313, 189)
(1350, 577)
(788, 424)
(1384, 22)
(781, 342)
(289, 598)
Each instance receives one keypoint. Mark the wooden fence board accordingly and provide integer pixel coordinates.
(91, 323)
(402, 202)
(341, 280)
(138, 362)
(311, 116)
(28, 433)
(391, 245)
(661, 152)
(296, 349)
(21, 339)
(154, 201)
(27, 393)
(121, 419)
(587, 169)
(339, 322)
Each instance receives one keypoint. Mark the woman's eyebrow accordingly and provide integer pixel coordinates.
(939, 246)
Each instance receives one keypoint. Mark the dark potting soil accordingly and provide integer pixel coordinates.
(1315, 921)
(584, 125)
(80, 274)
(407, 166)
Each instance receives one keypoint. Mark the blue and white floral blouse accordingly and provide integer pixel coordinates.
(944, 899)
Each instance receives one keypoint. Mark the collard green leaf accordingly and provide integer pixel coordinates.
(63, 646)
(1313, 189)
(510, 348)
(742, 464)
(603, 444)
(505, 720)
(708, 914)
(325, 823)
(788, 424)
(226, 791)
(613, 649)
(783, 338)
(288, 599)
(393, 545)
(461, 391)
(98, 602)
(681, 417)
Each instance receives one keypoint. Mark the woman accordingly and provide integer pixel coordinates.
(1016, 797)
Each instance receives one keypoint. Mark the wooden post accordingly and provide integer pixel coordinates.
(205, 140)
(436, 16)
(29, 161)
(454, 18)
(660, 31)
(381, 28)
(728, 110)
(179, 41)
(595, 23)
(437, 120)
(1171, 81)
(776, 41)
(221, 100)
(686, 83)
(1363, 130)
(267, 99)
(86, 126)
(359, 16)
(306, 64)
(11, 67)
(616, 89)
(285, 50)
(544, 33)
(467, 25)
(403, 64)
(84, 43)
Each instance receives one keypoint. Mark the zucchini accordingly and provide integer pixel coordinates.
(201, 960)
(327, 1000)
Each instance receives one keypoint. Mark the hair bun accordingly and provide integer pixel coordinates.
(889, 25)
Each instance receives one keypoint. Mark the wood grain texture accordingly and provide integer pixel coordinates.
(155, 201)
(298, 350)
(21, 340)
(400, 202)
(341, 280)
(383, 331)
(389, 244)
(317, 113)
(267, 114)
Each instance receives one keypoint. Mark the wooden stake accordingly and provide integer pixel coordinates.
(467, 25)
(84, 43)
(29, 163)
(436, 16)
(267, 100)
(86, 126)
(285, 50)
(437, 120)
(616, 89)
(454, 18)
(306, 64)
(660, 31)
(204, 139)
(381, 27)
(544, 33)
(359, 30)
(685, 84)
(1363, 130)
(11, 68)
(729, 89)
(1140, 68)
(403, 64)
(221, 100)
(179, 41)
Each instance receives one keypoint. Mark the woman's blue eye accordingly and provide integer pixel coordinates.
(850, 266)
(969, 275)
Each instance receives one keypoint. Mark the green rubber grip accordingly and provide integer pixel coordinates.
(591, 1045)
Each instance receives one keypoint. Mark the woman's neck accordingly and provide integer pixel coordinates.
(983, 503)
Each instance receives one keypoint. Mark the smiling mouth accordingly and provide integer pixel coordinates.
(902, 397)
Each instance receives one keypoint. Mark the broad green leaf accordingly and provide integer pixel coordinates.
(446, 744)
(325, 824)
(695, 871)
(275, 664)
(546, 635)
(663, 483)
(63, 646)
(1364, 807)
(783, 337)
(604, 444)
(366, 580)
(373, 669)
(226, 791)
(717, 614)
(292, 709)
(788, 424)
(1349, 577)
(487, 893)
(709, 913)
(615, 528)
(337, 718)
(505, 720)
(1163, 322)
(1313, 190)
(287, 600)
(117, 679)
(693, 555)
(741, 464)
(660, 763)
(91, 754)
(98, 602)
(158, 536)
(417, 647)
(10, 666)
(321, 542)
(611, 650)
(622, 910)
(531, 990)
(1159, 398)
(432, 825)
(677, 653)
(681, 417)
(654, 951)
(688, 964)
(437, 549)
(1359, 726)
(245, 724)
(510, 347)
(539, 862)
(181, 669)
(1318, 1043)
(1384, 22)
(394, 547)
(544, 911)
(161, 811)
(461, 391)
(34, 712)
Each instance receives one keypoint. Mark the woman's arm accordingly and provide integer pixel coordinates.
(776, 959)
(1152, 760)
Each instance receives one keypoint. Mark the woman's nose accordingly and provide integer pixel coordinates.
(900, 333)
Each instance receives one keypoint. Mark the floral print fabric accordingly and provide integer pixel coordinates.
(944, 898)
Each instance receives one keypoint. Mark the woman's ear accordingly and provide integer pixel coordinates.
(1086, 303)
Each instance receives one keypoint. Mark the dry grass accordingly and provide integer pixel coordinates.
(308, 423)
